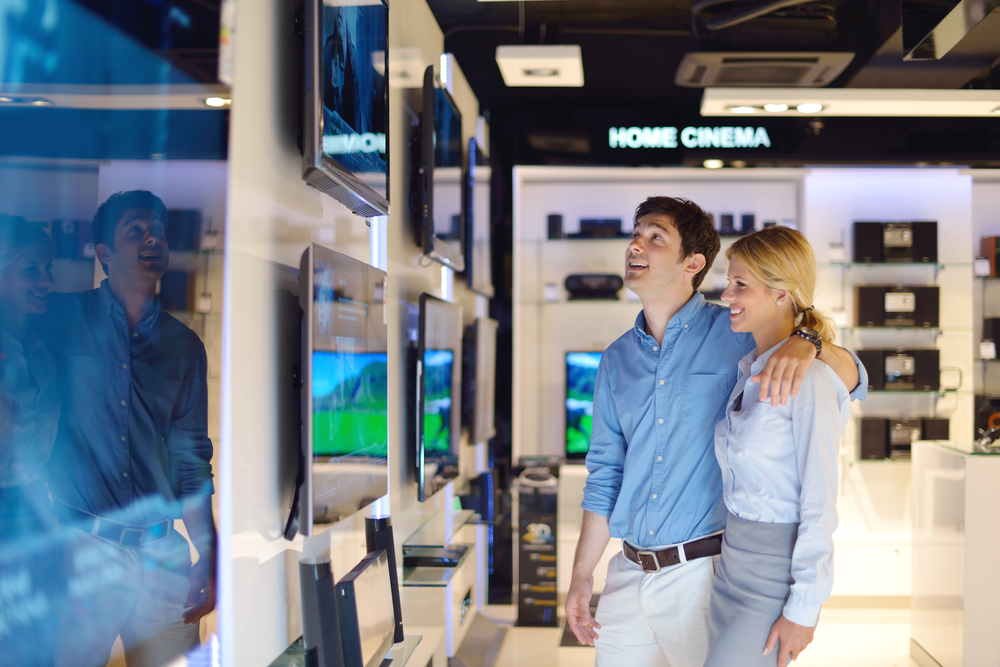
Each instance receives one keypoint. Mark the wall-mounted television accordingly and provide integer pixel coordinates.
(479, 385)
(345, 386)
(478, 253)
(438, 185)
(345, 125)
(438, 407)
(581, 375)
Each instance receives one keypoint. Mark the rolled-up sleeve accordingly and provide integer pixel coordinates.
(606, 458)
(860, 392)
(188, 444)
(819, 414)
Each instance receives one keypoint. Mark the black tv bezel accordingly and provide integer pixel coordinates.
(350, 630)
(475, 159)
(566, 453)
(431, 247)
(305, 501)
(474, 380)
(323, 173)
(456, 390)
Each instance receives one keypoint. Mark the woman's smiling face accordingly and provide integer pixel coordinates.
(752, 305)
(25, 282)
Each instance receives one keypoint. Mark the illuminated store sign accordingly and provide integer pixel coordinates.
(345, 144)
(690, 137)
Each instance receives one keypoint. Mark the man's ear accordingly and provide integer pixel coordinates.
(103, 253)
(694, 263)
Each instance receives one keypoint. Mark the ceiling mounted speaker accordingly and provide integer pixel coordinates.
(751, 70)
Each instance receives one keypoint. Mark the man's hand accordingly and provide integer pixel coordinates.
(784, 371)
(578, 611)
(201, 594)
(791, 639)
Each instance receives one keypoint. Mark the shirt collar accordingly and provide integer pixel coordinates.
(111, 304)
(9, 342)
(751, 364)
(682, 318)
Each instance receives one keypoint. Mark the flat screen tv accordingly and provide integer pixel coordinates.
(478, 254)
(581, 375)
(438, 187)
(345, 432)
(479, 385)
(345, 127)
(439, 396)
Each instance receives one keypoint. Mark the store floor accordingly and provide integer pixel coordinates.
(856, 637)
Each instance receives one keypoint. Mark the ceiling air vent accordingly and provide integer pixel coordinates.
(751, 70)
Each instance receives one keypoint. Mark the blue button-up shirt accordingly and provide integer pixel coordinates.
(652, 463)
(134, 421)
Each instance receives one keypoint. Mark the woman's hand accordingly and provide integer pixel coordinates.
(790, 638)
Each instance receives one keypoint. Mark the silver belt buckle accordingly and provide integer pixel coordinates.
(129, 543)
(642, 563)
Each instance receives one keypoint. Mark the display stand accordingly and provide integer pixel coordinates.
(294, 655)
(536, 505)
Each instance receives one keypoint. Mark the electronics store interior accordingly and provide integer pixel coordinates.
(362, 259)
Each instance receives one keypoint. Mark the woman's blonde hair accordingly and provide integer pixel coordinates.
(782, 259)
(16, 234)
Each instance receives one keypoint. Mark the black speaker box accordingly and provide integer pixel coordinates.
(177, 291)
(878, 242)
(991, 329)
(874, 438)
(898, 306)
(183, 229)
(935, 429)
(868, 242)
(727, 225)
(594, 286)
(925, 242)
(378, 535)
(555, 226)
(320, 616)
(748, 223)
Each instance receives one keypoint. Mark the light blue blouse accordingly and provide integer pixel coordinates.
(779, 465)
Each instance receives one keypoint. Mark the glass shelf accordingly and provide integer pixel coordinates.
(934, 329)
(870, 265)
(439, 529)
(295, 656)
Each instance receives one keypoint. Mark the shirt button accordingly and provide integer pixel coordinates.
(123, 438)
(655, 348)
(123, 402)
(685, 326)
(124, 474)
(660, 420)
(107, 312)
(661, 381)
(135, 334)
(650, 532)
(654, 496)
(126, 366)
(659, 458)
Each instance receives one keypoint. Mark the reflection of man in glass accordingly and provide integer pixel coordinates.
(132, 453)
(339, 74)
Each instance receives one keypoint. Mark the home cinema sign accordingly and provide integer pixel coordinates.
(689, 137)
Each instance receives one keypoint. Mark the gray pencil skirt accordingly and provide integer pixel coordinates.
(751, 585)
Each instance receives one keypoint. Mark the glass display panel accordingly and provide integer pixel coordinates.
(581, 376)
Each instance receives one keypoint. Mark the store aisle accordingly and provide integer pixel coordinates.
(856, 637)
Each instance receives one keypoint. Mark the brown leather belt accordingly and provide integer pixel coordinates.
(653, 561)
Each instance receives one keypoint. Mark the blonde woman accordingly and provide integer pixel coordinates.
(779, 464)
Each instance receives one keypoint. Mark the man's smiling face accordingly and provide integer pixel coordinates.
(140, 252)
(653, 260)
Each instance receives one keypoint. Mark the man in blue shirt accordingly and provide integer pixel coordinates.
(654, 481)
(132, 452)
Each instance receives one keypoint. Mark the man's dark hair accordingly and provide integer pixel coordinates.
(693, 224)
(110, 212)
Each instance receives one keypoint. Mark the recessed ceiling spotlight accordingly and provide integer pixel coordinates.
(810, 107)
(713, 164)
(775, 108)
(41, 102)
(6, 99)
(743, 109)
(738, 164)
(541, 72)
(218, 101)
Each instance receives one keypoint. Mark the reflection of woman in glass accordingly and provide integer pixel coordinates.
(29, 402)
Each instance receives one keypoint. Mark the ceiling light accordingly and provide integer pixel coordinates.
(218, 101)
(810, 107)
(541, 65)
(739, 164)
(6, 99)
(871, 102)
(743, 109)
(775, 108)
(713, 164)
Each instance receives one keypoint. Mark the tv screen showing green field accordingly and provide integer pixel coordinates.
(438, 365)
(581, 375)
(350, 410)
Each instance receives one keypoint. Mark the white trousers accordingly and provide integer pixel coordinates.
(138, 594)
(654, 620)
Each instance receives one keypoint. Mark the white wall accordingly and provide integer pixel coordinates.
(274, 215)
